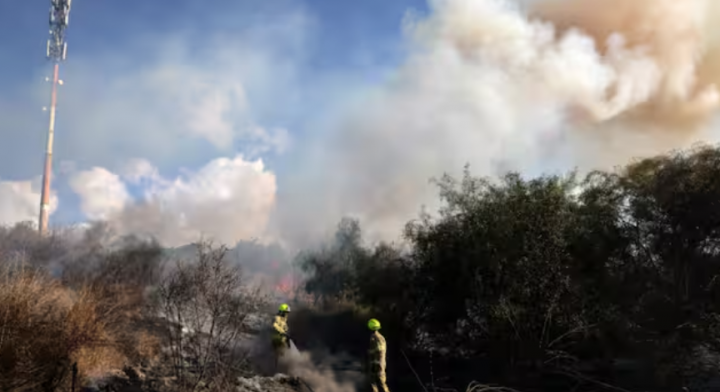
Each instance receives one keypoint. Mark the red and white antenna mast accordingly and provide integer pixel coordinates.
(56, 52)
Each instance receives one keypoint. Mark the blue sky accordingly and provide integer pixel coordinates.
(317, 50)
(344, 33)
(324, 41)
(272, 119)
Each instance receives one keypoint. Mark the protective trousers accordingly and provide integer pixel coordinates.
(279, 339)
(378, 382)
(279, 345)
(376, 359)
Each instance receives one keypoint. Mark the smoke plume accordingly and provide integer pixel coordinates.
(226, 200)
(674, 87)
(321, 370)
(321, 377)
(556, 85)
(20, 201)
(561, 84)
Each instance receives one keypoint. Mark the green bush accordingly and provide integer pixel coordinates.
(550, 273)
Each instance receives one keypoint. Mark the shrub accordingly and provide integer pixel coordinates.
(90, 314)
(45, 327)
(207, 302)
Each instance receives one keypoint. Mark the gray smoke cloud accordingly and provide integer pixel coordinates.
(322, 371)
(536, 86)
(550, 86)
(322, 377)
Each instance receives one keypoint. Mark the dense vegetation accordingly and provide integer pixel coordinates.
(79, 308)
(557, 280)
(557, 283)
(71, 306)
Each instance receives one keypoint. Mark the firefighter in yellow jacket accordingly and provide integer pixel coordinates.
(280, 338)
(376, 358)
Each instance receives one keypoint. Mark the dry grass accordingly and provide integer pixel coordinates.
(45, 327)
(98, 313)
(148, 345)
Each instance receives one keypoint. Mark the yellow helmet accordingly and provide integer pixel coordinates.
(373, 324)
(284, 308)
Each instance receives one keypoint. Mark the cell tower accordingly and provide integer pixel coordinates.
(56, 52)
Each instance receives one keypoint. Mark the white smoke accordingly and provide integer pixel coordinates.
(565, 83)
(226, 200)
(491, 85)
(20, 201)
(103, 194)
(321, 377)
(136, 170)
(209, 105)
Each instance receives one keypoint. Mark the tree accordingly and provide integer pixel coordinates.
(207, 302)
(551, 273)
(331, 269)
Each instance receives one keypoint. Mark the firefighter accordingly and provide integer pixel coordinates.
(280, 338)
(376, 358)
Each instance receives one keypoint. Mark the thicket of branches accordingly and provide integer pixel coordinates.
(556, 274)
(68, 302)
(207, 300)
(90, 301)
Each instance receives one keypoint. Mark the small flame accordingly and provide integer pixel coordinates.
(284, 286)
